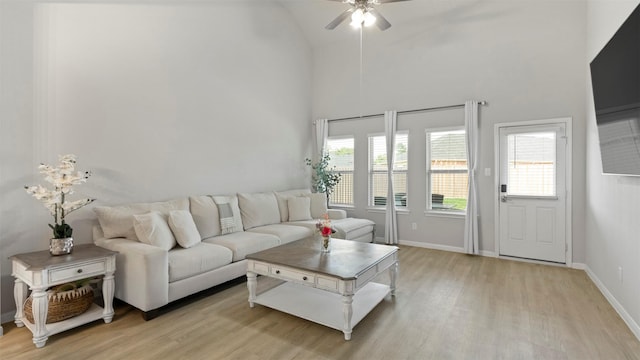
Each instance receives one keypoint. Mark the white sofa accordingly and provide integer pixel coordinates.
(163, 257)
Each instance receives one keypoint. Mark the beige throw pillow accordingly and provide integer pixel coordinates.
(299, 208)
(183, 228)
(152, 229)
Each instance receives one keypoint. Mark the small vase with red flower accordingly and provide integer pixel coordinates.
(324, 228)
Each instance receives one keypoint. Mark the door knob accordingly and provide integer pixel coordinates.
(503, 198)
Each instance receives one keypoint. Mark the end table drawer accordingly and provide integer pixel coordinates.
(77, 272)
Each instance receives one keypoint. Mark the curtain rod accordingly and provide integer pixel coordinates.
(406, 111)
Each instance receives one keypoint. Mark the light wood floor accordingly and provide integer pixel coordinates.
(448, 306)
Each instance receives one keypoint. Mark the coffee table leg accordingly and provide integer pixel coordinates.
(252, 284)
(347, 310)
(393, 274)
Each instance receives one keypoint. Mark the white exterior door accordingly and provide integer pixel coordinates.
(533, 193)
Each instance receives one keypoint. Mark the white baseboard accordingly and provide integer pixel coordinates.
(578, 266)
(633, 326)
(432, 246)
(488, 253)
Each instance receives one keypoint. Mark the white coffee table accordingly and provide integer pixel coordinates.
(333, 289)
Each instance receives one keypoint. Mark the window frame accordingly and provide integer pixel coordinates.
(352, 172)
(371, 172)
(428, 172)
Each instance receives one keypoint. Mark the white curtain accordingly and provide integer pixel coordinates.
(322, 132)
(391, 221)
(471, 220)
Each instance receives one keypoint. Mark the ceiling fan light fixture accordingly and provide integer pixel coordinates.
(369, 19)
(357, 18)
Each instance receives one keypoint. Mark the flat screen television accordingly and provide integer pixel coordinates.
(615, 78)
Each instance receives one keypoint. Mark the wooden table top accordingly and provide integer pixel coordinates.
(347, 258)
(39, 260)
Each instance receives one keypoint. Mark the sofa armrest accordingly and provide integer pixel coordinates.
(336, 214)
(142, 272)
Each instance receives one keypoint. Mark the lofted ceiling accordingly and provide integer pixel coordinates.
(313, 15)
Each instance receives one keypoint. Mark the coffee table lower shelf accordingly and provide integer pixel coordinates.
(320, 306)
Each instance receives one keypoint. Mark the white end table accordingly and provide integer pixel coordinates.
(40, 270)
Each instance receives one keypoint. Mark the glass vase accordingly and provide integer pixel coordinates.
(325, 244)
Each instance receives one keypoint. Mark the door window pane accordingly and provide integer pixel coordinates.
(531, 164)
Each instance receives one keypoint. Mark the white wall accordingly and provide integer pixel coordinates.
(158, 100)
(613, 202)
(526, 58)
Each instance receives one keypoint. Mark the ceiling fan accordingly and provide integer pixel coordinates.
(362, 12)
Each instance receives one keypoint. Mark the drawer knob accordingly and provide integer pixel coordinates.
(277, 271)
(304, 278)
(79, 271)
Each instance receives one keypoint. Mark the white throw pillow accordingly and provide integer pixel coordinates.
(152, 229)
(318, 205)
(299, 208)
(183, 228)
(230, 220)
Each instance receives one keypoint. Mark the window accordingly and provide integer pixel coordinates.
(531, 164)
(447, 170)
(378, 178)
(341, 151)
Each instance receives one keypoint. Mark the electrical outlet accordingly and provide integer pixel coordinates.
(414, 226)
(620, 274)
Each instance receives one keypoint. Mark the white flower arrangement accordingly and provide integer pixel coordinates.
(62, 178)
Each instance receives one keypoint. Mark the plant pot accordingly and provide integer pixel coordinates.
(62, 246)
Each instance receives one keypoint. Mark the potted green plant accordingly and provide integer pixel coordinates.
(324, 179)
(63, 178)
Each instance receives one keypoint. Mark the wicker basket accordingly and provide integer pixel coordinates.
(63, 304)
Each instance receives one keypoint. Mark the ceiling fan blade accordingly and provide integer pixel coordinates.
(342, 17)
(381, 22)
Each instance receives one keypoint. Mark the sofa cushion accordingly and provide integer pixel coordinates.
(348, 229)
(318, 205)
(183, 228)
(283, 196)
(203, 257)
(286, 233)
(152, 228)
(230, 219)
(351, 228)
(244, 243)
(299, 208)
(258, 209)
(205, 215)
(117, 221)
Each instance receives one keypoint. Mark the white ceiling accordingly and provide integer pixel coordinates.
(313, 15)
